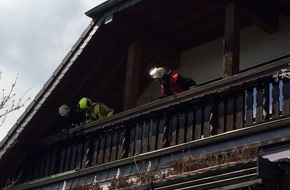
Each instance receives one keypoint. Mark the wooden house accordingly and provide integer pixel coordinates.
(230, 132)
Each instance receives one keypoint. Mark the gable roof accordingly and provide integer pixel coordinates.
(96, 64)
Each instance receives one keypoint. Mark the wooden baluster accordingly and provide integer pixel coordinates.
(62, 159)
(199, 123)
(160, 137)
(249, 108)
(33, 167)
(206, 128)
(230, 113)
(73, 156)
(85, 153)
(153, 135)
(27, 174)
(166, 131)
(259, 108)
(191, 119)
(53, 166)
(116, 134)
(145, 136)
(275, 102)
(47, 161)
(79, 155)
(182, 127)
(109, 137)
(221, 117)
(213, 118)
(90, 150)
(42, 164)
(24, 170)
(132, 140)
(67, 158)
(240, 106)
(102, 147)
(36, 168)
(286, 101)
(96, 149)
(138, 137)
(266, 100)
(173, 129)
(123, 146)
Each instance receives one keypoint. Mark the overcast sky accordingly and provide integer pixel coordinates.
(35, 35)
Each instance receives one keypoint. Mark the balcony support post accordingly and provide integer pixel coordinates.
(132, 76)
(231, 39)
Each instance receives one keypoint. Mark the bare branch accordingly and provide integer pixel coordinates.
(11, 182)
(8, 99)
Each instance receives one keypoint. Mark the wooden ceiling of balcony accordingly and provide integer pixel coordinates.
(163, 28)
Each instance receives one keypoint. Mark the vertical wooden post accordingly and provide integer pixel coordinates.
(286, 101)
(240, 97)
(132, 76)
(231, 39)
(199, 122)
(249, 106)
(275, 100)
(153, 134)
(221, 117)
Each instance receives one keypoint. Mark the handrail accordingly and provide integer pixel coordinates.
(165, 103)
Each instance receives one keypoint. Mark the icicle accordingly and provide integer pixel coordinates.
(95, 180)
(63, 186)
(118, 173)
(149, 166)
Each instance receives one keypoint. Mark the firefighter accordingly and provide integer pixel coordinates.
(94, 111)
(69, 118)
(171, 83)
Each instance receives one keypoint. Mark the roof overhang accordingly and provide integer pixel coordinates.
(96, 65)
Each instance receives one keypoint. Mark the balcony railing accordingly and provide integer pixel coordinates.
(249, 98)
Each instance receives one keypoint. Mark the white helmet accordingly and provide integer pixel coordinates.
(157, 73)
(63, 110)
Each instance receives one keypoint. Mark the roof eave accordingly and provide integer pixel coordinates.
(98, 10)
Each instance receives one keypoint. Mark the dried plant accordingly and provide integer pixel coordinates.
(202, 161)
(132, 182)
(121, 182)
(87, 187)
(187, 164)
(95, 185)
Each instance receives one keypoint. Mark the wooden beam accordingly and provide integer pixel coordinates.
(261, 14)
(159, 50)
(132, 76)
(231, 39)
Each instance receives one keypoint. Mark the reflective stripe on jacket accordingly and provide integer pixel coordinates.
(100, 110)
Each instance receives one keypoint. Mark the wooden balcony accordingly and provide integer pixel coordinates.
(249, 103)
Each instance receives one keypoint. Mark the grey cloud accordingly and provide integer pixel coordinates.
(35, 36)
